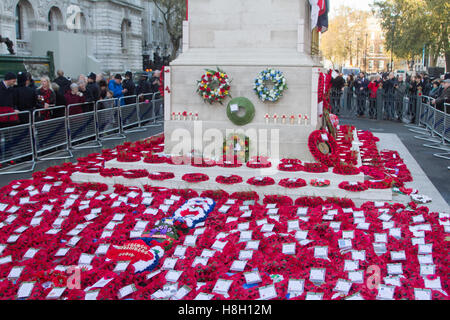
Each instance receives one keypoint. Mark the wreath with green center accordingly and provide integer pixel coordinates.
(279, 85)
(238, 104)
(214, 86)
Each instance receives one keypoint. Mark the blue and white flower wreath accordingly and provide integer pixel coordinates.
(279, 85)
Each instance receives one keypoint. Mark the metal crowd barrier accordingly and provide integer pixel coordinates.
(158, 106)
(147, 110)
(51, 134)
(16, 142)
(434, 127)
(129, 114)
(41, 134)
(82, 126)
(108, 120)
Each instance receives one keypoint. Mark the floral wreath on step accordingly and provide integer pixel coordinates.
(261, 181)
(293, 183)
(354, 186)
(323, 147)
(229, 180)
(279, 85)
(214, 86)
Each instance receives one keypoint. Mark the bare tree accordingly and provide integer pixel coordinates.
(173, 12)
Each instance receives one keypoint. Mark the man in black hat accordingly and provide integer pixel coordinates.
(7, 90)
(92, 89)
(7, 100)
(143, 86)
(130, 87)
(25, 97)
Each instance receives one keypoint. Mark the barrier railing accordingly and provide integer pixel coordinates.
(16, 142)
(82, 126)
(434, 127)
(51, 134)
(158, 107)
(108, 120)
(147, 110)
(41, 134)
(130, 115)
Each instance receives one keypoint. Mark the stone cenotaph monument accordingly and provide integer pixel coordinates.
(243, 38)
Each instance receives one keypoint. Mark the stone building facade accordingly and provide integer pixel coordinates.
(120, 32)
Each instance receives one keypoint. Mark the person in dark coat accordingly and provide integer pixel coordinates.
(444, 97)
(92, 89)
(75, 97)
(128, 84)
(338, 83)
(154, 81)
(26, 97)
(7, 100)
(143, 86)
(62, 82)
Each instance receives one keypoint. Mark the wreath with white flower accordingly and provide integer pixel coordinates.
(279, 85)
(214, 86)
(194, 211)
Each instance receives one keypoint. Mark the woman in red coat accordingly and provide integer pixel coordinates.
(373, 89)
(74, 97)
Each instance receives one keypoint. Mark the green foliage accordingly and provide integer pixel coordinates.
(414, 24)
(249, 111)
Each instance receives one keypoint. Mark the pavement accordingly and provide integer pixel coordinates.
(435, 169)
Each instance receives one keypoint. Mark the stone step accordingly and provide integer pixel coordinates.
(245, 172)
(332, 191)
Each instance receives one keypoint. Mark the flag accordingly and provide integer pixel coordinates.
(322, 21)
(315, 9)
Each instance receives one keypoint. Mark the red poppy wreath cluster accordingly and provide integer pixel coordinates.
(246, 249)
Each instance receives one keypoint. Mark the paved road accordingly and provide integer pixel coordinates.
(43, 165)
(435, 168)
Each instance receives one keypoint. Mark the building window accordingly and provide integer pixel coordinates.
(381, 64)
(19, 35)
(124, 34)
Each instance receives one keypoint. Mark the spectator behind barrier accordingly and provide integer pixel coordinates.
(74, 96)
(25, 97)
(7, 100)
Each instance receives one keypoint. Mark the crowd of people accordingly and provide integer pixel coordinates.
(438, 89)
(18, 92)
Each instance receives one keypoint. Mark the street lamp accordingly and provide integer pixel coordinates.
(357, 52)
(365, 54)
(351, 57)
(393, 23)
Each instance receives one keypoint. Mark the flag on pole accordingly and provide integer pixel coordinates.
(319, 14)
(322, 23)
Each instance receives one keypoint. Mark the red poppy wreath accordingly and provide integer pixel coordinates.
(290, 165)
(128, 157)
(195, 177)
(353, 186)
(155, 159)
(135, 174)
(233, 179)
(261, 181)
(323, 147)
(346, 169)
(293, 183)
(161, 176)
(315, 167)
